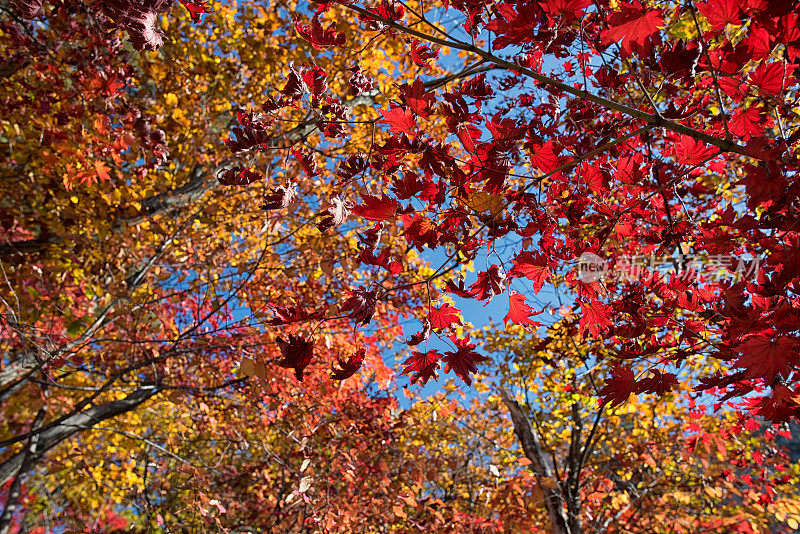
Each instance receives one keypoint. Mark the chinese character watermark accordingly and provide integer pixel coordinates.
(690, 267)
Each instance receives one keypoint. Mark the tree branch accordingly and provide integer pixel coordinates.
(73, 424)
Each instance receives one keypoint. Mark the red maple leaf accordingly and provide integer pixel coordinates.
(196, 8)
(422, 335)
(247, 137)
(376, 208)
(767, 358)
(238, 176)
(632, 26)
(294, 314)
(410, 184)
(296, 354)
(417, 98)
(720, 13)
(544, 157)
(348, 368)
(390, 10)
(400, 120)
(422, 367)
(689, 151)
(569, 9)
(319, 37)
(515, 23)
(361, 305)
(518, 311)
(444, 316)
(747, 122)
(659, 383)
(315, 79)
(279, 197)
(489, 283)
(421, 231)
(595, 315)
(422, 54)
(532, 267)
(464, 361)
(771, 78)
(469, 135)
(335, 214)
(619, 387)
(307, 161)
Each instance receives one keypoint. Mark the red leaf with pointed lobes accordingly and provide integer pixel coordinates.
(377, 208)
(422, 367)
(319, 37)
(407, 186)
(518, 311)
(422, 55)
(619, 387)
(390, 10)
(360, 81)
(771, 78)
(766, 358)
(470, 136)
(720, 13)
(348, 368)
(632, 26)
(422, 335)
(294, 85)
(196, 8)
(463, 362)
(400, 120)
(659, 383)
(569, 9)
(544, 157)
(459, 289)
(421, 231)
(505, 128)
(335, 214)
(747, 122)
(417, 98)
(239, 176)
(315, 79)
(489, 283)
(444, 316)
(279, 198)
(307, 161)
(595, 315)
(689, 151)
(354, 165)
(361, 305)
(246, 138)
(296, 354)
(516, 23)
(477, 88)
(294, 315)
(532, 267)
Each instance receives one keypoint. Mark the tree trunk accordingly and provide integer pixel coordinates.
(541, 464)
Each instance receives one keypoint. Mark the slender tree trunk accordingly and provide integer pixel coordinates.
(29, 456)
(542, 465)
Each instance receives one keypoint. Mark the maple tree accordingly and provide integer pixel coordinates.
(127, 264)
(653, 463)
(201, 198)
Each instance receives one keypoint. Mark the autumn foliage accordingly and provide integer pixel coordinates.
(245, 248)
